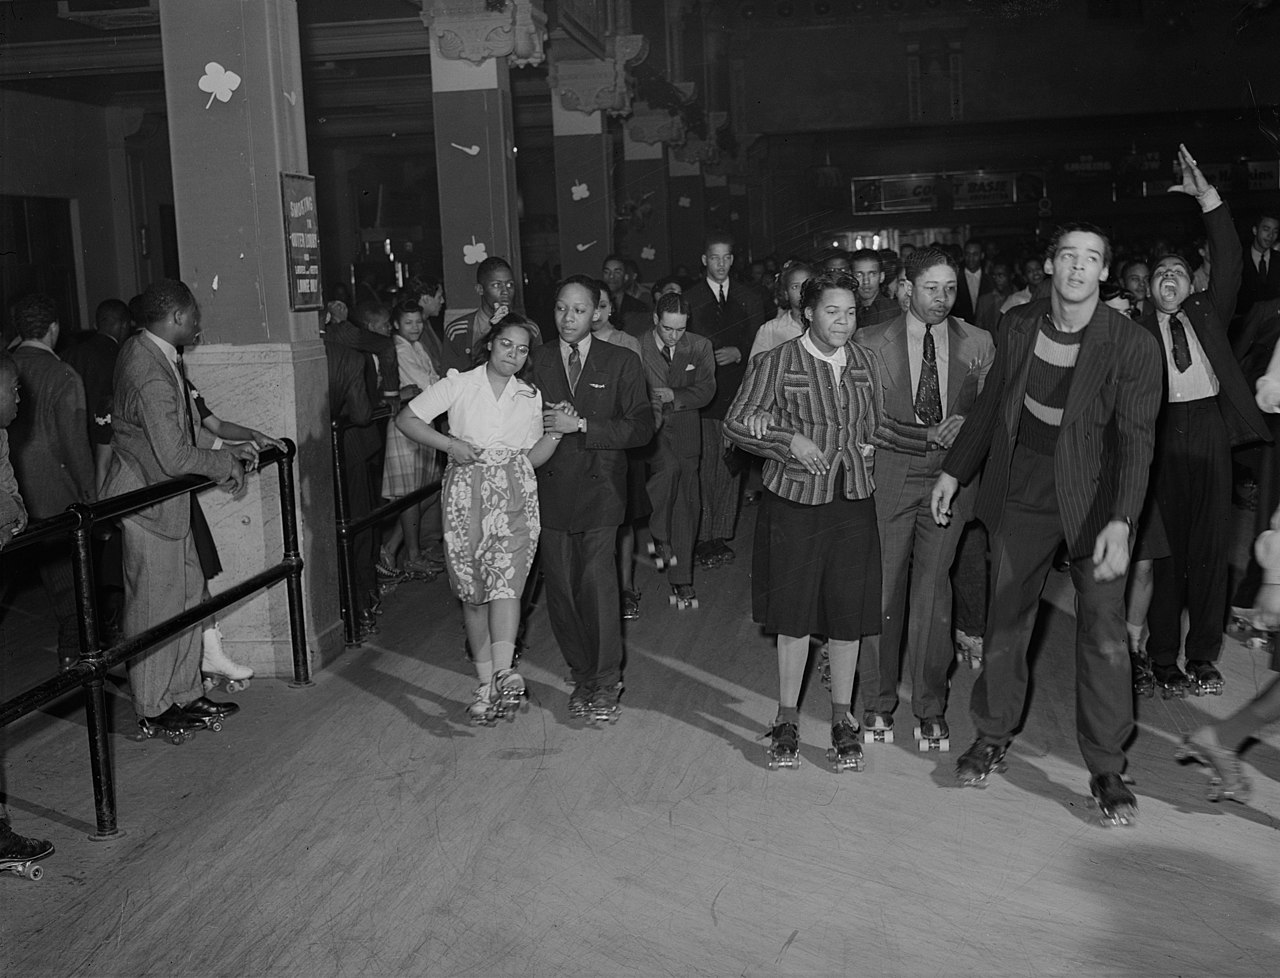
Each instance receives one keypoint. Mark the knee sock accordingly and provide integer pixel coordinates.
(484, 670)
(840, 711)
(789, 714)
(504, 654)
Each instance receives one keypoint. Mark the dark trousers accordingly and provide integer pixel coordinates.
(359, 474)
(1021, 555)
(673, 491)
(59, 583)
(1192, 477)
(721, 489)
(581, 576)
(969, 580)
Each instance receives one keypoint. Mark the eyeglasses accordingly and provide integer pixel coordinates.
(508, 344)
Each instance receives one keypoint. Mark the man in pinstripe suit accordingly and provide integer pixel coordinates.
(1065, 426)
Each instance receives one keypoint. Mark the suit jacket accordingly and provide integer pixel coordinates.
(349, 401)
(1209, 313)
(1103, 454)
(735, 327)
(987, 314)
(583, 486)
(152, 440)
(462, 337)
(691, 375)
(633, 316)
(882, 310)
(93, 357)
(967, 304)
(971, 353)
(1253, 287)
(49, 440)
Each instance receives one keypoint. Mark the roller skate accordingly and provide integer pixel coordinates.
(968, 649)
(1171, 681)
(482, 711)
(216, 665)
(580, 701)
(1203, 678)
(604, 706)
(877, 728)
(1115, 800)
(630, 604)
(209, 715)
(845, 753)
(174, 724)
(1144, 680)
(978, 762)
(509, 694)
(1226, 776)
(662, 554)
(422, 569)
(724, 553)
(683, 597)
(933, 734)
(705, 553)
(784, 745)
(18, 854)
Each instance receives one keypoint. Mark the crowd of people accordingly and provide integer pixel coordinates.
(927, 433)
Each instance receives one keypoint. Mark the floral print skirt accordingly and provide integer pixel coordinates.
(491, 525)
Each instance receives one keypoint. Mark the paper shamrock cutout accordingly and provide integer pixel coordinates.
(684, 202)
(579, 191)
(474, 253)
(647, 253)
(218, 82)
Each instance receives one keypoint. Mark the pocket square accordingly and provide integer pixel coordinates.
(688, 366)
(598, 387)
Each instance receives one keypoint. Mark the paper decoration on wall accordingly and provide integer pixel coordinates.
(474, 253)
(214, 284)
(684, 202)
(647, 253)
(733, 215)
(293, 99)
(218, 82)
(584, 247)
(469, 150)
(579, 191)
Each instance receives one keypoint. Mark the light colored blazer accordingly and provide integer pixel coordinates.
(970, 355)
(151, 440)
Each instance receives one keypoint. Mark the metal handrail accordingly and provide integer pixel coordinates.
(95, 661)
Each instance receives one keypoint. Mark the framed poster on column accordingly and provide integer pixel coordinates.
(301, 241)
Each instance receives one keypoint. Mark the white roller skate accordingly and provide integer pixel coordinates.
(683, 597)
(482, 711)
(877, 728)
(216, 665)
(508, 697)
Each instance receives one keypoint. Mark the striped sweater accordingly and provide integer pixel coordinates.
(1048, 382)
(845, 419)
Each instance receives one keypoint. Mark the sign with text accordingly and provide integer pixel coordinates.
(301, 241)
(944, 191)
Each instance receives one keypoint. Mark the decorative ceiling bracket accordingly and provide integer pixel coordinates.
(592, 85)
(477, 30)
(659, 125)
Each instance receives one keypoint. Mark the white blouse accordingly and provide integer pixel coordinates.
(415, 364)
(512, 420)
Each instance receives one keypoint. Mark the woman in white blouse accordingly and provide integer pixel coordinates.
(490, 501)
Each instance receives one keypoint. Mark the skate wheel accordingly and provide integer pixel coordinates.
(868, 737)
(215, 725)
(209, 683)
(236, 685)
(693, 603)
(944, 745)
(34, 872)
(922, 745)
(673, 600)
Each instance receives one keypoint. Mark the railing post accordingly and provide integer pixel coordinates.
(348, 601)
(293, 557)
(95, 703)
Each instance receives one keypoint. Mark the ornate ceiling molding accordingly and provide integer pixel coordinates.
(590, 85)
(477, 30)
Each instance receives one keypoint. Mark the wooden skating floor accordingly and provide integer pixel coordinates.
(361, 827)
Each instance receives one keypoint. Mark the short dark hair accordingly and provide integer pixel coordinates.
(369, 309)
(614, 257)
(717, 237)
(631, 267)
(33, 315)
(666, 280)
(161, 299)
(485, 346)
(1055, 240)
(1127, 267)
(405, 307)
(674, 303)
(491, 264)
(422, 284)
(584, 281)
(781, 295)
(820, 283)
(864, 254)
(112, 315)
(922, 259)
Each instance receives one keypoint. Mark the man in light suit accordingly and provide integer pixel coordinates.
(153, 440)
(681, 371)
(594, 395)
(1064, 426)
(934, 368)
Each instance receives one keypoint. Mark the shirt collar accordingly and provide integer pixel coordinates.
(715, 286)
(38, 344)
(584, 345)
(915, 323)
(168, 349)
(837, 359)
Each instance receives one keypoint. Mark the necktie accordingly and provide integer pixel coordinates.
(186, 397)
(1262, 265)
(575, 366)
(928, 394)
(1181, 351)
(723, 298)
(667, 352)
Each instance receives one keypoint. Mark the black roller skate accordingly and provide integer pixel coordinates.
(1171, 681)
(845, 753)
(662, 554)
(1115, 800)
(509, 695)
(174, 724)
(877, 728)
(933, 734)
(784, 745)
(208, 714)
(18, 853)
(969, 649)
(630, 604)
(978, 762)
(605, 707)
(1203, 678)
(1144, 680)
(1226, 776)
(580, 700)
(683, 597)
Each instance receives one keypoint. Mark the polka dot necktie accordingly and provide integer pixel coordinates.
(928, 394)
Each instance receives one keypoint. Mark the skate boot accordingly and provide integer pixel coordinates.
(877, 728)
(630, 604)
(978, 762)
(209, 715)
(580, 700)
(1203, 678)
(845, 753)
(784, 745)
(604, 706)
(482, 712)
(1144, 680)
(18, 854)
(705, 553)
(508, 694)
(662, 554)
(683, 597)
(1115, 800)
(1171, 681)
(421, 569)
(216, 663)
(1226, 776)
(968, 649)
(174, 724)
(933, 734)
